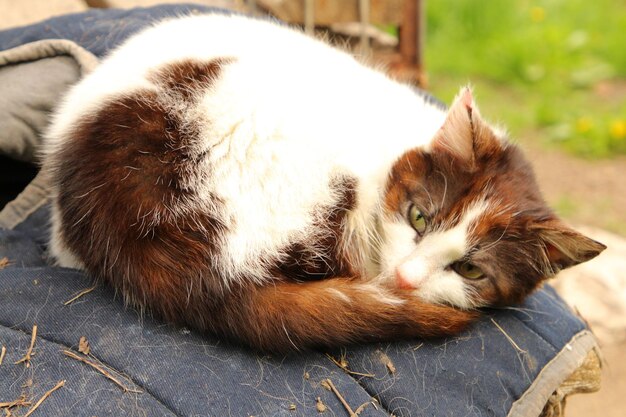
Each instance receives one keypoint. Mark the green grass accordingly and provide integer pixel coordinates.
(551, 69)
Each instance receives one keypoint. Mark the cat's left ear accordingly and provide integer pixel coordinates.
(565, 247)
(464, 133)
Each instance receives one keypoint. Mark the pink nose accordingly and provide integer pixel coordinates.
(402, 281)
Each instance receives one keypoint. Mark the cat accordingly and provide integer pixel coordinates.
(236, 176)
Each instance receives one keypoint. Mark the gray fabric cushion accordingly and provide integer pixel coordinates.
(28, 92)
(33, 78)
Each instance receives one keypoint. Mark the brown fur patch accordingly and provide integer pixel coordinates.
(186, 78)
(290, 315)
(123, 177)
(324, 256)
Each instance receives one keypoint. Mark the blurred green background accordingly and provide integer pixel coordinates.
(552, 71)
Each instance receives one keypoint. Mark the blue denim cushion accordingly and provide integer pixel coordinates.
(97, 30)
(179, 372)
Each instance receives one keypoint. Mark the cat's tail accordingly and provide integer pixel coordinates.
(288, 315)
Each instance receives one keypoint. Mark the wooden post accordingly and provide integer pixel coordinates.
(309, 16)
(420, 20)
(364, 17)
(411, 42)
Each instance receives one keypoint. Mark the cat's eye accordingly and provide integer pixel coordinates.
(468, 270)
(417, 220)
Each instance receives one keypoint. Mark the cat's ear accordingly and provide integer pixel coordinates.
(464, 134)
(565, 247)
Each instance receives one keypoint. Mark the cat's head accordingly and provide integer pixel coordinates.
(464, 222)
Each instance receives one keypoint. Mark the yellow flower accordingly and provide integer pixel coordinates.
(583, 125)
(618, 129)
(537, 14)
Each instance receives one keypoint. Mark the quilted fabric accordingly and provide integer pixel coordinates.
(97, 30)
(178, 372)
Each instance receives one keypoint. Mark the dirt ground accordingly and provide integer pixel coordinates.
(589, 192)
(592, 193)
(597, 188)
(609, 401)
(585, 192)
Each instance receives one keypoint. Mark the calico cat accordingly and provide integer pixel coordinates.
(239, 177)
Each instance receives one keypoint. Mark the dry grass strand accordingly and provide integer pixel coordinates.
(20, 402)
(343, 364)
(2, 353)
(4, 262)
(79, 294)
(340, 397)
(83, 346)
(29, 353)
(100, 369)
(43, 398)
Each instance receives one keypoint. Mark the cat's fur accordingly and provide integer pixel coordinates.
(237, 176)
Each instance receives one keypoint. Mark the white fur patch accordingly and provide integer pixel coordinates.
(425, 265)
(381, 294)
(63, 256)
(339, 294)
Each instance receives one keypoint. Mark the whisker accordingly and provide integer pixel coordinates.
(90, 191)
(445, 187)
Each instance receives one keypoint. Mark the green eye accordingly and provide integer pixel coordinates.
(468, 270)
(417, 220)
